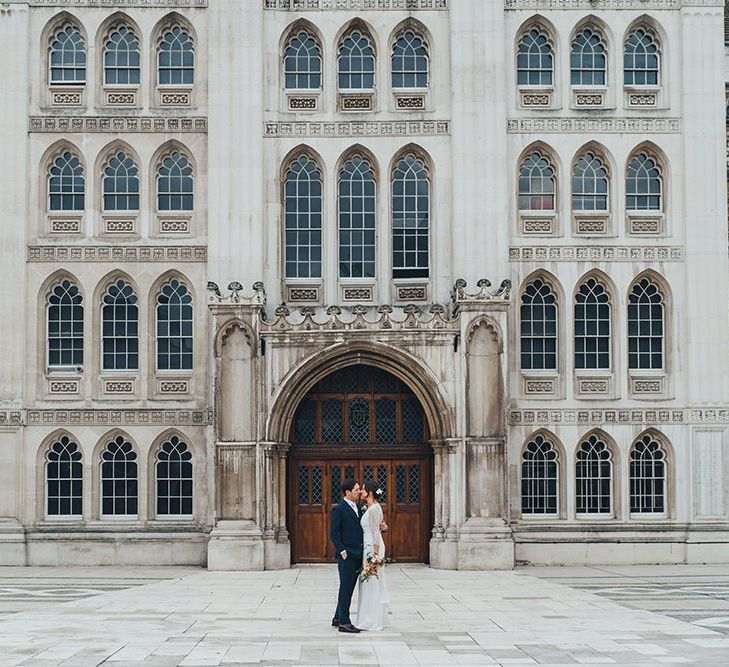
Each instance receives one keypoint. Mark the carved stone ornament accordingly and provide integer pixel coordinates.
(86, 124)
(357, 128)
(313, 5)
(234, 297)
(459, 296)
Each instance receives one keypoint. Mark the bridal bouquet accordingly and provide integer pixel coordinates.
(371, 567)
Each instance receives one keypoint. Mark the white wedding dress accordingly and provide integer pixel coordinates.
(373, 594)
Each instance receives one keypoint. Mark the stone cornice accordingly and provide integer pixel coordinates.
(328, 5)
(113, 4)
(85, 124)
(117, 253)
(596, 253)
(356, 128)
(638, 416)
(594, 125)
(636, 5)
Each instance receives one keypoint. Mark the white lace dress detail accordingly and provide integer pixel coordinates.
(373, 594)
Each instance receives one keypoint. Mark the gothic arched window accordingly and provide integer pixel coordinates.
(119, 478)
(65, 318)
(590, 183)
(121, 183)
(66, 183)
(64, 479)
(647, 477)
(538, 327)
(641, 60)
(176, 58)
(588, 60)
(537, 183)
(410, 218)
(534, 59)
(175, 183)
(539, 478)
(303, 203)
(121, 57)
(173, 469)
(356, 62)
(357, 206)
(67, 56)
(646, 326)
(119, 328)
(594, 477)
(174, 315)
(410, 61)
(643, 184)
(302, 62)
(593, 326)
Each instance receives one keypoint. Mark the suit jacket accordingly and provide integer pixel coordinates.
(346, 531)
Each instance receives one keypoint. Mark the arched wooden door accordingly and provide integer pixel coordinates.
(360, 422)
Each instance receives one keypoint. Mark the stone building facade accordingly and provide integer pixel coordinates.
(463, 248)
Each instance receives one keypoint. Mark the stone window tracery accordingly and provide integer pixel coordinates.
(357, 214)
(539, 478)
(410, 218)
(643, 184)
(174, 489)
(65, 321)
(535, 59)
(593, 478)
(590, 183)
(303, 62)
(410, 61)
(641, 59)
(647, 477)
(174, 327)
(538, 314)
(67, 56)
(588, 59)
(303, 203)
(176, 58)
(64, 479)
(66, 183)
(537, 183)
(175, 183)
(593, 326)
(646, 326)
(119, 478)
(356, 62)
(121, 57)
(120, 328)
(121, 183)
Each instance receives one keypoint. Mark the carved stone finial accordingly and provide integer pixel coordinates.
(412, 309)
(282, 310)
(307, 310)
(213, 287)
(384, 308)
(437, 309)
(505, 288)
(334, 310)
(258, 287)
(460, 284)
(484, 282)
(359, 309)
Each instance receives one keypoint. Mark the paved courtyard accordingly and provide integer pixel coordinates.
(556, 616)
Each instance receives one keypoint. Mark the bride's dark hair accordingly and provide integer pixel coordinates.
(371, 488)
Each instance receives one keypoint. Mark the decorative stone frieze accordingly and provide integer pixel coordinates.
(114, 417)
(111, 4)
(86, 124)
(118, 386)
(364, 128)
(594, 125)
(117, 253)
(328, 5)
(460, 298)
(639, 416)
(596, 253)
(11, 417)
(411, 293)
(541, 5)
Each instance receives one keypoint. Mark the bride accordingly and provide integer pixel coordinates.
(373, 594)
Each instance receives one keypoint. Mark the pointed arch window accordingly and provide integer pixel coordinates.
(173, 469)
(594, 477)
(410, 218)
(302, 62)
(534, 59)
(67, 57)
(66, 183)
(647, 477)
(646, 326)
(538, 327)
(641, 60)
(176, 58)
(593, 326)
(643, 184)
(175, 183)
(357, 205)
(410, 62)
(119, 478)
(539, 478)
(303, 202)
(121, 183)
(64, 479)
(174, 315)
(590, 183)
(356, 62)
(121, 57)
(588, 59)
(537, 183)
(65, 317)
(120, 328)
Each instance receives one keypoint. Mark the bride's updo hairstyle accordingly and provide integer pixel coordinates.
(371, 487)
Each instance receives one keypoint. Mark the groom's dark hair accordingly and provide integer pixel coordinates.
(347, 485)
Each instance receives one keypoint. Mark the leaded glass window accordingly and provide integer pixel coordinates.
(66, 183)
(588, 61)
(64, 479)
(412, 420)
(537, 183)
(356, 62)
(357, 206)
(410, 61)
(647, 477)
(643, 184)
(65, 316)
(67, 57)
(121, 183)
(646, 327)
(302, 62)
(305, 423)
(119, 478)
(120, 328)
(303, 219)
(359, 421)
(539, 478)
(176, 58)
(386, 421)
(410, 218)
(174, 327)
(174, 478)
(407, 484)
(175, 183)
(538, 313)
(641, 60)
(594, 477)
(534, 59)
(332, 425)
(590, 184)
(592, 326)
(121, 57)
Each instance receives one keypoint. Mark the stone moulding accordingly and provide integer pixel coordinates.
(115, 417)
(718, 415)
(313, 5)
(540, 5)
(117, 254)
(364, 128)
(594, 125)
(596, 253)
(112, 4)
(86, 124)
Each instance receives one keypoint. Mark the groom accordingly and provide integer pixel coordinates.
(346, 533)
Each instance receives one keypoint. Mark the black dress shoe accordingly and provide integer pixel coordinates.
(349, 628)
(335, 622)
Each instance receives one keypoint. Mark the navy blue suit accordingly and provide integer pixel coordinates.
(346, 533)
